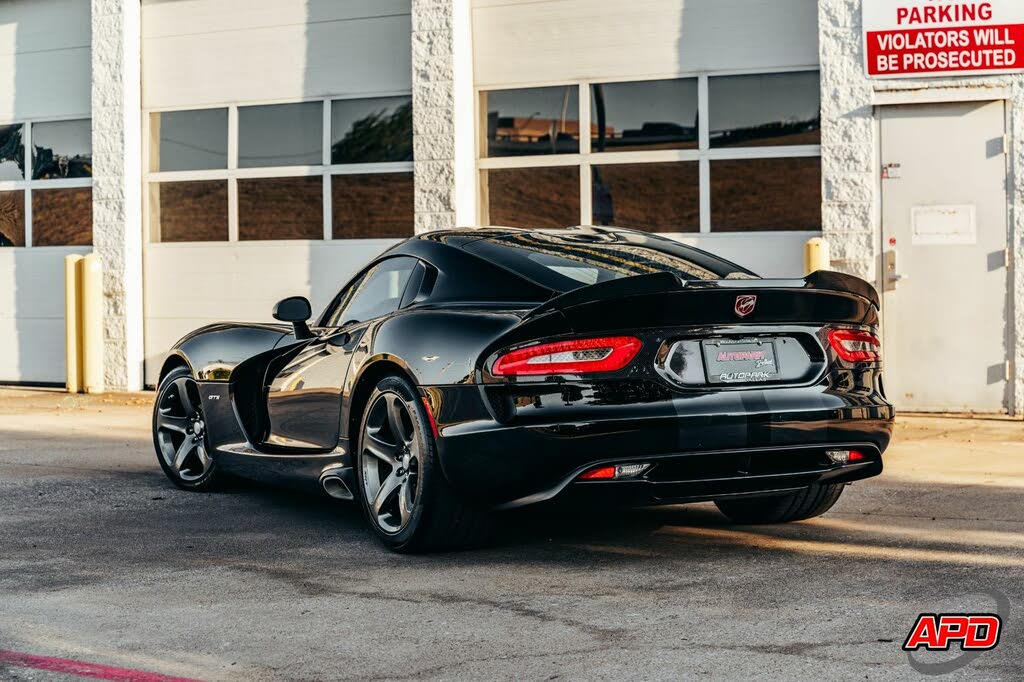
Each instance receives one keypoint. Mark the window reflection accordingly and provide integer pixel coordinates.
(12, 218)
(281, 208)
(765, 109)
(376, 130)
(766, 194)
(62, 217)
(280, 135)
(189, 211)
(189, 140)
(62, 149)
(534, 197)
(656, 197)
(372, 206)
(12, 153)
(532, 121)
(658, 114)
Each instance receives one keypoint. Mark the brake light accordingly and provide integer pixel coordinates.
(575, 356)
(855, 346)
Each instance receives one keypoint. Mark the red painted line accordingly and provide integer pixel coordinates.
(83, 669)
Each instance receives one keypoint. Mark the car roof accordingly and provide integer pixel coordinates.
(464, 235)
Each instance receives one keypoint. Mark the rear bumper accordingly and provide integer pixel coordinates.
(513, 446)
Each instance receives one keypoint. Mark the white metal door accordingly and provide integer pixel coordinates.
(944, 265)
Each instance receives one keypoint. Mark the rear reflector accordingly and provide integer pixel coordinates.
(855, 346)
(845, 456)
(619, 471)
(575, 356)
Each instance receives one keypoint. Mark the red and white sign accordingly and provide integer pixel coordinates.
(942, 37)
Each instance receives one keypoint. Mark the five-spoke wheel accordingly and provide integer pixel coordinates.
(179, 431)
(390, 462)
(403, 491)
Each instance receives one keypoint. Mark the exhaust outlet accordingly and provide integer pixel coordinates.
(336, 487)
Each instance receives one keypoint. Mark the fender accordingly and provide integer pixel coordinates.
(214, 351)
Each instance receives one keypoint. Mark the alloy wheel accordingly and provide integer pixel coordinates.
(390, 462)
(181, 430)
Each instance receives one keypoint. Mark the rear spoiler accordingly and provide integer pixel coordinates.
(662, 282)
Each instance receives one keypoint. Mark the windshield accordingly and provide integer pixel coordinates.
(571, 259)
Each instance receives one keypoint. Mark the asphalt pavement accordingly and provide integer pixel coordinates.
(103, 562)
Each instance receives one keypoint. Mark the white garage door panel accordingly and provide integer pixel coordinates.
(553, 40)
(286, 59)
(44, 41)
(32, 313)
(182, 17)
(780, 254)
(240, 282)
(44, 24)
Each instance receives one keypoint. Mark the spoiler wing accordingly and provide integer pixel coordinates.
(664, 282)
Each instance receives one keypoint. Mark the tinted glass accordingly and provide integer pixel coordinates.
(12, 218)
(374, 130)
(534, 197)
(62, 217)
(532, 121)
(189, 140)
(62, 149)
(657, 197)
(766, 194)
(280, 135)
(378, 292)
(372, 206)
(645, 115)
(189, 211)
(765, 109)
(568, 260)
(281, 208)
(12, 153)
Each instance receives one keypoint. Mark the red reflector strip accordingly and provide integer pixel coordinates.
(575, 356)
(430, 417)
(857, 456)
(598, 474)
(855, 346)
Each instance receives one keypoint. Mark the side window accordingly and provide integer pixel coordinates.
(378, 292)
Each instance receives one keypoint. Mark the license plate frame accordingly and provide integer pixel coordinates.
(741, 361)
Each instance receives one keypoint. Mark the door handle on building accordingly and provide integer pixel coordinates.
(890, 277)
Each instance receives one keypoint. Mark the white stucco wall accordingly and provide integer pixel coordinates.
(849, 155)
(116, 194)
(443, 115)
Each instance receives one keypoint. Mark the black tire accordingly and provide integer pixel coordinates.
(437, 519)
(803, 504)
(174, 421)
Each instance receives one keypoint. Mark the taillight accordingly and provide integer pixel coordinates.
(575, 356)
(855, 346)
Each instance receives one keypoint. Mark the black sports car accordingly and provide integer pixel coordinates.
(464, 372)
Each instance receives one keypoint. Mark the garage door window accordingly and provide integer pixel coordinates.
(323, 169)
(532, 121)
(188, 140)
(46, 183)
(708, 153)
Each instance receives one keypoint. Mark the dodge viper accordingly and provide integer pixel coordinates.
(465, 372)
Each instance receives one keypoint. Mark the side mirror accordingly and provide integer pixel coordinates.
(295, 309)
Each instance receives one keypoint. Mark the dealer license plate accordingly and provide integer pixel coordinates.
(740, 362)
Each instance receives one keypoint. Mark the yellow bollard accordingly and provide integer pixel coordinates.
(816, 255)
(73, 322)
(92, 324)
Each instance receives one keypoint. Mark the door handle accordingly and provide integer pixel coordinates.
(890, 275)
